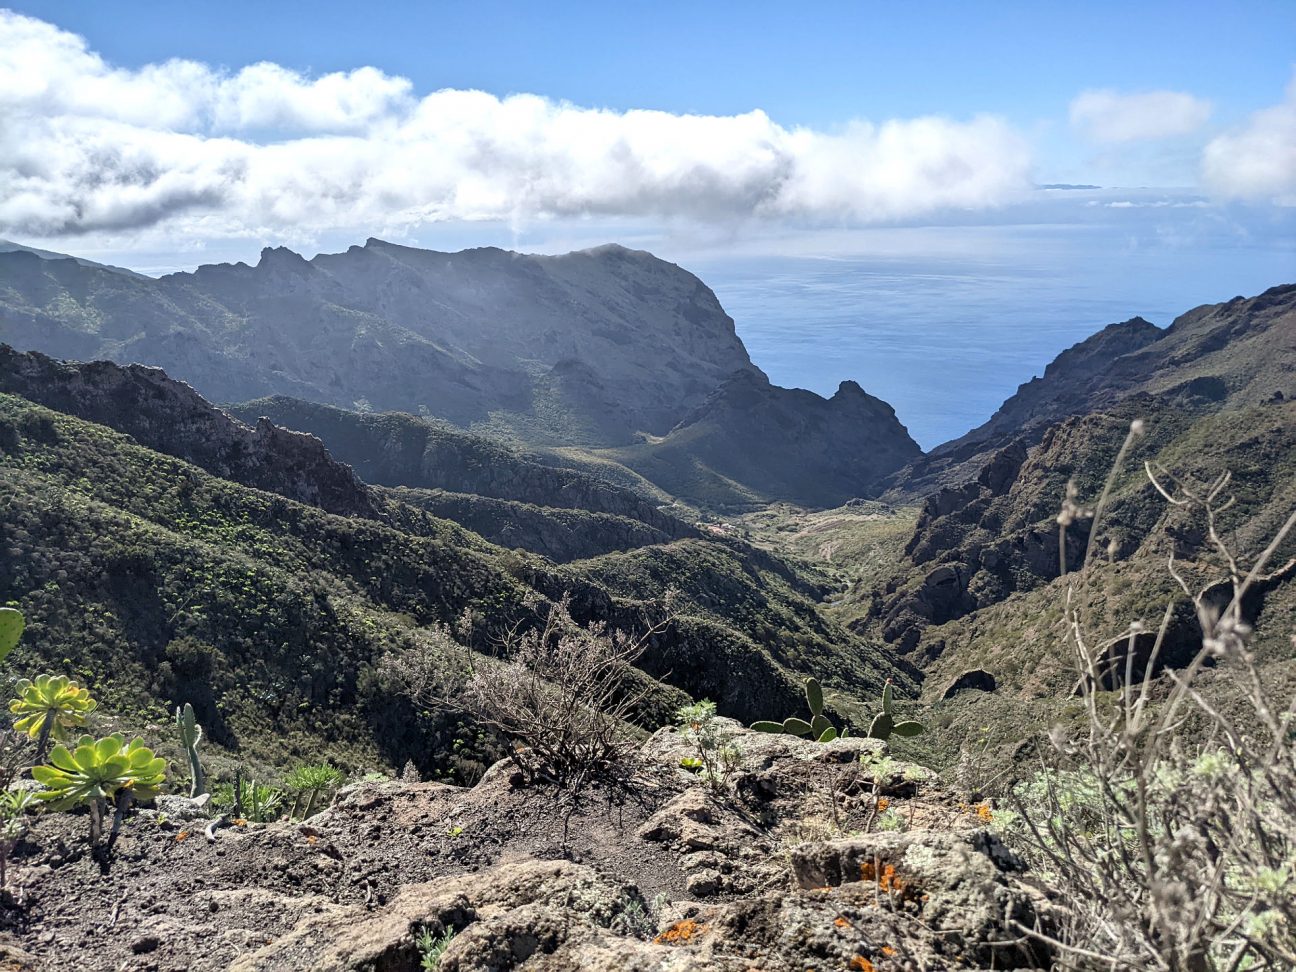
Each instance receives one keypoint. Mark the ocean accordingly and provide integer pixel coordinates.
(945, 332)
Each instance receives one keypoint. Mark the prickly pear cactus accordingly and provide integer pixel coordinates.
(818, 727)
(884, 724)
(12, 623)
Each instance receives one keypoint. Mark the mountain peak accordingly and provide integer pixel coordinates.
(280, 257)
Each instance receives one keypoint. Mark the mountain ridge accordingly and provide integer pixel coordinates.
(606, 349)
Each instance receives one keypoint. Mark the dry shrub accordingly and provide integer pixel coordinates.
(1171, 849)
(564, 693)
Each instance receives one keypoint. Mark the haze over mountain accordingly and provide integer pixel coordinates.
(605, 348)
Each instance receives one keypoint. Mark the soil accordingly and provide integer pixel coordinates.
(618, 871)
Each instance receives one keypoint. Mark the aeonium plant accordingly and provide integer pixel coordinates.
(100, 773)
(49, 708)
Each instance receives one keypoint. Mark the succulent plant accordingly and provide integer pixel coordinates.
(309, 783)
(818, 727)
(12, 623)
(190, 734)
(97, 773)
(49, 707)
(249, 800)
(884, 724)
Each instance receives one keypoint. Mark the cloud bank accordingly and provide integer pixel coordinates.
(1109, 116)
(89, 147)
(1259, 160)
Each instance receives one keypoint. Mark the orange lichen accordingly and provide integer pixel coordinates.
(885, 876)
(842, 922)
(983, 812)
(240, 822)
(861, 964)
(882, 804)
(183, 835)
(888, 951)
(312, 839)
(680, 932)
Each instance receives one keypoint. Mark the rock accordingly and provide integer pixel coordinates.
(145, 944)
(177, 808)
(704, 883)
(976, 678)
(505, 915)
(963, 884)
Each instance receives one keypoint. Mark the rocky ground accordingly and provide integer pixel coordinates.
(803, 857)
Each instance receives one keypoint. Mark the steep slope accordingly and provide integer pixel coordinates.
(625, 361)
(979, 541)
(156, 581)
(752, 443)
(508, 497)
(1242, 352)
(590, 347)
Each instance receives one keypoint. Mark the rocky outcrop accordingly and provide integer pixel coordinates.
(751, 443)
(168, 416)
(1236, 354)
(403, 450)
(608, 348)
(746, 870)
(593, 346)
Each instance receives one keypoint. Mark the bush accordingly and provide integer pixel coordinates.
(563, 692)
(1170, 853)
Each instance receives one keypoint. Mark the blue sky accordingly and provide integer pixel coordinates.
(806, 159)
(813, 64)
(133, 123)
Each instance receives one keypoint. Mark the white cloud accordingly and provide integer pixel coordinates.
(1259, 160)
(87, 147)
(1109, 116)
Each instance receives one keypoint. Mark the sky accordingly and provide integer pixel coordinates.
(720, 135)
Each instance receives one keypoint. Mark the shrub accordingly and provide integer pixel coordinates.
(13, 825)
(12, 623)
(1168, 854)
(432, 946)
(717, 758)
(563, 692)
(308, 784)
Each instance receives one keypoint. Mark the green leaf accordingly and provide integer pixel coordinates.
(766, 726)
(12, 624)
(796, 727)
(886, 698)
(818, 725)
(814, 696)
(882, 726)
(828, 735)
(909, 728)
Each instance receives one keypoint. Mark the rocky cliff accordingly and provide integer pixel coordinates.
(590, 347)
(1214, 392)
(1242, 352)
(752, 443)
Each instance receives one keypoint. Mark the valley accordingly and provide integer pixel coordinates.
(267, 492)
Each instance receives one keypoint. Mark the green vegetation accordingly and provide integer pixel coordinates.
(190, 734)
(884, 723)
(717, 758)
(249, 800)
(11, 629)
(818, 728)
(50, 707)
(156, 584)
(432, 946)
(309, 784)
(99, 774)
